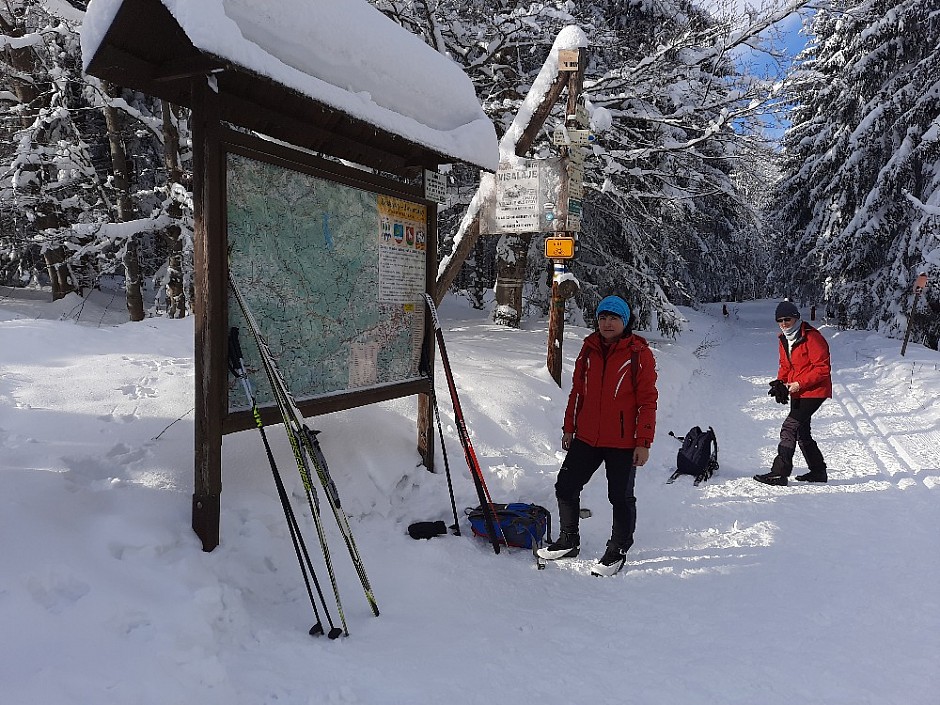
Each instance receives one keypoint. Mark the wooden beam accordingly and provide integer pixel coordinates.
(541, 113)
(210, 350)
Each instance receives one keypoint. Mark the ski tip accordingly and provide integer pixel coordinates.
(335, 633)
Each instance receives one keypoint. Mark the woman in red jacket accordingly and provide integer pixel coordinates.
(611, 418)
(805, 371)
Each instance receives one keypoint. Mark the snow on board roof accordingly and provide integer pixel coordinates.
(342, 53)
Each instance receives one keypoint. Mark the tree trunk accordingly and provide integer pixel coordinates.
(175, 292)
(58, 271)
(121, 182)
(511, 257)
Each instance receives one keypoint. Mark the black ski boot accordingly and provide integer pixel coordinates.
(813, 476)
(610, 563)
(568, 545)
(770, 478)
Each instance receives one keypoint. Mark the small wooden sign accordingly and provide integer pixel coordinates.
(575, 171)
(563, 137)
(569, 59)
(559, 247)
(581, 116)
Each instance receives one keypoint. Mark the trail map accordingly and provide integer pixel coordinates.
(334, 274)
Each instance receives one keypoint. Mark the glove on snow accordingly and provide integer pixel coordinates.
(779, 391)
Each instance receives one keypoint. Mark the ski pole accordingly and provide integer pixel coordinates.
(483, 494)
(237, 367)
(305, 454)
(450, 484)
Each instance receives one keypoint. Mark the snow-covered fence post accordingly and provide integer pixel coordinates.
(919, 285)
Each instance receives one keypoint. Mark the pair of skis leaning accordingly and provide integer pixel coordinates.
(307, 455)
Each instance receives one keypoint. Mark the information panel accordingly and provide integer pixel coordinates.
(335, 276)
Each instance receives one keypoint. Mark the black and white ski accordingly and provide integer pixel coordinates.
(237, 367)
(307, 452)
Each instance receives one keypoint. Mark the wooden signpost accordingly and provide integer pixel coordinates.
(569, 139)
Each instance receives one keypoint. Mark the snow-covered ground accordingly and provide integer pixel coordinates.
(735, 592)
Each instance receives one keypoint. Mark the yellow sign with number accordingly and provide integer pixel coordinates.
(559, 247)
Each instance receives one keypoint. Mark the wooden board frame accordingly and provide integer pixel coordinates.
(212, 142)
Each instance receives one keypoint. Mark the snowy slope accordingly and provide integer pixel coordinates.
(735, 592)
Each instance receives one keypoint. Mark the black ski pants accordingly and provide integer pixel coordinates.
(797, 431)
(580, 464)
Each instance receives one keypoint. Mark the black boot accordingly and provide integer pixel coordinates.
(611, 562)
(779, 471)
(814, 461)
(568, 545)
(769, 478)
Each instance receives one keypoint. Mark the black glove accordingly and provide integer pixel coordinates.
(779, 391)
(427, 529)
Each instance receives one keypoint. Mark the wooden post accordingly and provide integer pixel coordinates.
(556, 331)
(556, 311)
(425, 415)
(210, 276)
(919, 286)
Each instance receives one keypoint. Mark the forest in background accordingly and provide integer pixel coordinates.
(687, 199)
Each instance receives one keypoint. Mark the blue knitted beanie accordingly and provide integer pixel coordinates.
(615, 305)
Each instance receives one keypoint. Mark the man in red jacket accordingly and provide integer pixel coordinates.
(806, 374)
(611, 418)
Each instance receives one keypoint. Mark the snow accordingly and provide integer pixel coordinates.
(343, 53)
(735, 592)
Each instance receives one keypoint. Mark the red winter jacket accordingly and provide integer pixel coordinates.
(613, 401)
(807, 363)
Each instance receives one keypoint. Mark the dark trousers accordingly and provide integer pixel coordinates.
(580, 464)
(797, 431)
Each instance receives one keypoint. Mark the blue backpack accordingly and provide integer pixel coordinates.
(523, 525)
(698, 455)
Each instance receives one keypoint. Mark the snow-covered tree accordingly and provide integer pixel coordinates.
(79, 156)
(665, 221)
(858, 210)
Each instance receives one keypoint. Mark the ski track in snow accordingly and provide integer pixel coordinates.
(735, 593)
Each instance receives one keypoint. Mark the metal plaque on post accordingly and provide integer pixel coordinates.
(559, 247)
(435, 186)
(523, 197)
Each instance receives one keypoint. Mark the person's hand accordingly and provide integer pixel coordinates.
(793, 387)
(566, 440)
(640, 455)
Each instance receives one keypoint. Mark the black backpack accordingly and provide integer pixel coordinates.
(698, 455)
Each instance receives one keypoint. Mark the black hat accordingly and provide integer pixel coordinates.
(786, 309)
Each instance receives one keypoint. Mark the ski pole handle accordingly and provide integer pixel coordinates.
(433, 310)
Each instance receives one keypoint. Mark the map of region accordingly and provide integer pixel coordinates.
(334, 275)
